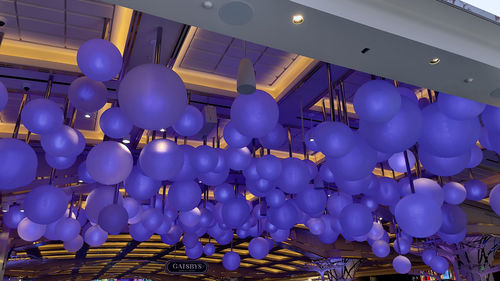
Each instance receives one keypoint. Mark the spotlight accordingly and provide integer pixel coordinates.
(163, 130)
(311, 139)
(87, 115)
(80, 181)
(125, 141)
(434, 61)
(297, 19)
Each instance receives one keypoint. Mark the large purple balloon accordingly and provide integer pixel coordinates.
(67, 229)
(274, 139)
(238, 158)
(275, 198)
(204, 158)
(269, 167)
(140, 186)
(334, 139)
(311, 201)
(99, 198)
(95, 236)
(63, 142)
(377, 101)
(13, 216)
(401, 264)
(454, 219)
(4, 96)
(427, 256)
(45, 204)
(233, 137)
(152, 96)
(114, 123)
(258, 248)
(356, 164)
(356, 220)
(337, 201)
(151, 219)
(427, 187)
(444, 166)
(190, 123)
(495, 199)
(398, 162)
(284, 217)
(381, 248)
(184, 195)
(139, 232)
(354, 187)
(42, 116)
(476, 157)
(397, 134)
(224, 192)
(113, 218)
(491, 118)
(87, 95)
(459, 108)
(231, 260)
(29, 230)
(161, 159)
(418, 215)
(439, 264)
(255, 115)
(447, 137)
(476, 190)
(109, 162)
(187, 172)
(99, 59)
(60, 162)
(235, 212)
(388, 192)
(294, 175)
(18, 163)
(74, 245)
(454, 193)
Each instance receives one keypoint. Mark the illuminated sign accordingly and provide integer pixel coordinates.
(186, 267)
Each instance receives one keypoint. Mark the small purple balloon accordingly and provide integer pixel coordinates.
(326, 174)
(95, 236)
(280, 235)
(190, 122)
(113, 218)
(4, 96)
(275, 198)
(275, 138)
(258, 248)
(60, 162)
(139, 232)
(454, 219)
(294, 175)
(269, 167)
(284, 217)
(45, 204)
(337, 202)
(476, 190)
(238, 158)
(190, 218)
(63, 142)
(476, 157)
(231, 260)
(356, 220)
(99, 59)
(109, 162)
(334, 139)
(87, 95)
(98, 198)
(235, 212)
(161, 159)
(18, 163)
(13, 216)
(401, 264)
(74, 245)
(67, 229)
(427, 256)
(42, 116)
(29, 230)
(311, 200)
(454, 193)
(204, 158)
(224, 192)
(439, 264)
(83, 173)
(195, 252)
(184, 195)
(115, 124)
(209, 249)
(140, 186)
(381, 248)
(377, 101)
(233, 137)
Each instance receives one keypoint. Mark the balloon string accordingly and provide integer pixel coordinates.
(330, 91)
(397, 235)
(290, 143)
(344, 105)
(79, 206)
(306, 156)
(163, 199)
(115, 197)
(70, 204)
(408, 170)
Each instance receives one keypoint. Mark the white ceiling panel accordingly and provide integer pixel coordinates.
(75, 32)
(39, 12)
(209, 46)
(92, 8)
(86, 21)
(54, 4)
(41, 26)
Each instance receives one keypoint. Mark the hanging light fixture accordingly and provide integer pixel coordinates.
(246, 75)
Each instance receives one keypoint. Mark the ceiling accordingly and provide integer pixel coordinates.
(205, 53)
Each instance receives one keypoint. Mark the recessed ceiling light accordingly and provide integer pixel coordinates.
(468, 80)
(311, 139)
(80, 181)
(87, 115)
(434, 61)
(163, 130)
(126, 141)
(207, 4)
(297, 19)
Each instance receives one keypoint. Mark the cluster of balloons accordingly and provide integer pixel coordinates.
(392, 125)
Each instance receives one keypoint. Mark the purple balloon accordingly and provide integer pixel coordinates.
(397, 134)
(284, 217)
(74, 245)
(51, 230)
(87, 95)
(194, 252)
(316, 226)
(454, 219)
(109, 162)
(476, 190)
(491, 119)
(173, 235)
(214, 178)
(269, 167)
(459, 108)
(354, 187)
(418, 215)
(388, 192)
(190, 122)
(190, 218)
(311, 168)
(330, 235)
(203, 158)
(255, 115)
(60, 162)
(99, 59)
(356, 164)
(311, 200)
(397, 161)
(131, 206)
(184, 195)
(258, 248)
(13, 216)
(139, 232)
(83, 173)
(209, 249)
(444, 166)
(151, 219)
(454, 193)
(250, 173)
(495, 199)
(113, 218)
(427, 256)
(356, 220)
(447, 137)
(29, 230)
(401, 264)
(95, 236)
(275, 198)
(426, 187)
(326, 174)
(439, 264)
(67, 229)
(224, 192)
(231, 260)
(402, 245)
(166, 224)
(42, 116)
(18, 163)
(99, 198)
(63, 142)
(45, 204)
(161, 159)
(261, 185)
(4, 96)
(233, 137)
(453, 238)
(377, 231)
(238, 158)
(115, 124)
(152, 96)
(476, 157)
(222, 164)
(484, 139)
(294, 175)
(235, 212)
(140, 186)
(187, 172)
(377, 101)
(275, 138)
(407, 93)
(334, 139)
(310, 139)
(369, 202)
(207, 218)
(337, 202)
(280, 235)
(381, 248)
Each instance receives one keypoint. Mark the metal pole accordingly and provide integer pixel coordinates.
(290, 143)
(408, 169)
(159, 33)
(18, 120)
(344, 106)
(330, 91)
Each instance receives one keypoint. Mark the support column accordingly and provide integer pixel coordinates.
(336, 269)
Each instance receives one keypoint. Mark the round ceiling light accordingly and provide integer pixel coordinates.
(434, 61)
(297, 19)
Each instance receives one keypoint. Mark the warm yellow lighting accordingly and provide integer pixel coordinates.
(434, 61)
(121, 25)
(297, 19)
